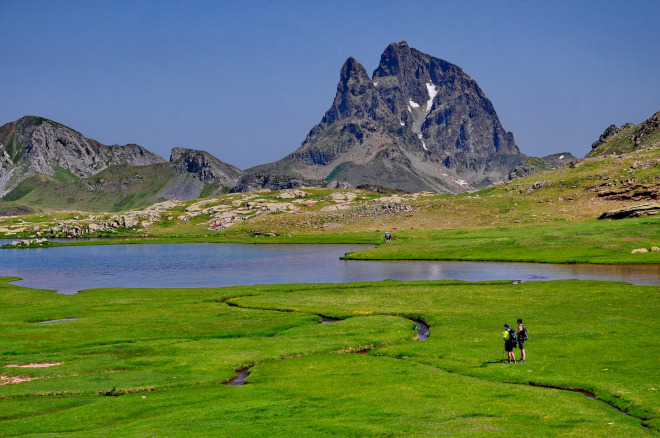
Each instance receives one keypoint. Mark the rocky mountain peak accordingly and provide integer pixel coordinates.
(396, 60)
(352, 72)
(420, 123)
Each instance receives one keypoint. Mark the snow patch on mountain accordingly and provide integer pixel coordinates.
(419, 135)
(432, 93)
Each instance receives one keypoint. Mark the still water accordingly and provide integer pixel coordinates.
(70, 269)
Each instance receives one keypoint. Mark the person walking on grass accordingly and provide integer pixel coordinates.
(509, 336)
(522, 337)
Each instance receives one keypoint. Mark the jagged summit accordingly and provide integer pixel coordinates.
(418, 123)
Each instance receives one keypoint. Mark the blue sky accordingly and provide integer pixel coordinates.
(247, 80)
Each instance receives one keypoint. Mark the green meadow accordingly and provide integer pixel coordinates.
(152, 362)
(588, 241)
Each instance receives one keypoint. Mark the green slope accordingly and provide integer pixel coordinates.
(117, 188)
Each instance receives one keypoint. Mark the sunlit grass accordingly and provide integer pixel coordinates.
(169, 350)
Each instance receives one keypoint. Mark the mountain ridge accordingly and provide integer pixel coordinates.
(35, 145)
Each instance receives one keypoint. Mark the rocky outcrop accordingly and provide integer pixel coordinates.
(34, 145)
(609, 132)
(630, 191)
(419, 123)
(647, 131)
(263, 180)
(535, 165)
(628, 138)
(647, 209)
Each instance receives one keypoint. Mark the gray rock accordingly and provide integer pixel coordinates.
(609, 132)
(263, 180)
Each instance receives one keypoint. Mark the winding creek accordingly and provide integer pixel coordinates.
(423, 332)
(70, 269)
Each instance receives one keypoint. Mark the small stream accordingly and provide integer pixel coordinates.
(423, 330)
(241, 375)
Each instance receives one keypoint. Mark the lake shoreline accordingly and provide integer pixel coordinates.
(331, 239)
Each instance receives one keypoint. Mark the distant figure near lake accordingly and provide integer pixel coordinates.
(388, 237)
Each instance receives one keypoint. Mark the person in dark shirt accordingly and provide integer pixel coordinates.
(522, 337)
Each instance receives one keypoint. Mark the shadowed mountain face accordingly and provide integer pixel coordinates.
(420, 123)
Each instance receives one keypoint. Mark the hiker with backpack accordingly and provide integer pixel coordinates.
(509, 336)
(522, 337)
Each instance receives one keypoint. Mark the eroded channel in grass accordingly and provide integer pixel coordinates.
(423, 330)
(241, 375)
(57, 320)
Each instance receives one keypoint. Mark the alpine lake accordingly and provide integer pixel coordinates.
(71, 269)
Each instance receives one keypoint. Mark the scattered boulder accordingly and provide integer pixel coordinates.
(390, 199)
(336, 207)
(162, 206)
(343, 197)
(31, 243)
(639, 251)
(198, 206)
(292, 193)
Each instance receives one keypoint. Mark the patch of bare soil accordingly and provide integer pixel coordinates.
(36, 365)
(6, 380)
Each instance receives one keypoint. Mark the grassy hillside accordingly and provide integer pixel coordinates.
(117, 188)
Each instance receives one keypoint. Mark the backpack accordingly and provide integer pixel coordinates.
(524, 334)
(509, 335)
(512, 336)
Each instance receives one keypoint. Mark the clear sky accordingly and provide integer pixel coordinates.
(247, 80)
